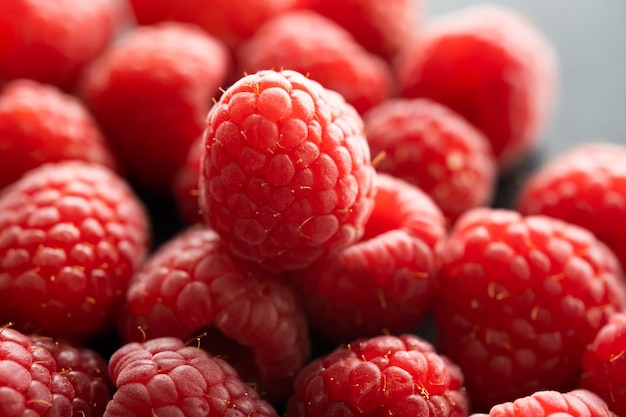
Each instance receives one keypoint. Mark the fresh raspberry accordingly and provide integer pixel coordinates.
(185, 188)
(164, 377)
(385, 282)
(192, 285)
(433, 147)
(39, 123)
(604, 363)
(86, 372)
(401, 376)
(53, 41)
(311, 44)
(71, 236)
(231, 21)
(381, 27)
(491, 65)
(576, 403)
(584, 185)
(151, 96)
(286, 175)
(521, 297)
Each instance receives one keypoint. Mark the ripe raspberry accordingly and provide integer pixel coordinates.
(520, 299)
(381, 27)
(150, 96)
(311, 44)
(164, 377)
(185, 188)
(71, 236)
(231, 21)
(39, 124)
(286, 176)
(576, 403)
(604, 362)
(86, 372)
(491, 65)
(385, 282)
(386, 375)
(585, 185)
(52, 41)
(433, 147)
(192, 285)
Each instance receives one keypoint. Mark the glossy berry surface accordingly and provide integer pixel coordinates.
(286, 173)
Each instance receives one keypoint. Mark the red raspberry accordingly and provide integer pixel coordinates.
(585, 185)
(164, 377)
(52, 41)
(386, 375)
(311, 44)
(604, 363)
(433, 147)
(185, 188)
(385, 282)
(192, 285)
(381, 27)
(39, 124)
(576, 403)
(151, 96)
(71, 236)
(286, 176)
(491, 65)
(86, 372)
(232, 21)
(521, 297)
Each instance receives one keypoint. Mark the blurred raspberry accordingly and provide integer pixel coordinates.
(286, 173)
(185, 188)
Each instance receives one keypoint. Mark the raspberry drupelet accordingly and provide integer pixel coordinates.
(286, 175)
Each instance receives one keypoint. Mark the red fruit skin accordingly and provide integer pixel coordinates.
(491, 65)
(192, 285)
(27, 382)
(521, 297)
(381, 27)
(585, 185)
(433, 147)
(165, 377)
(39, 123)
(575, 403)
(604, 362)
(385, 282)
(150, 97)
(71, 236)
(185, 188)
(53, 41)
(286, 172)
(385, 375)
(231, 21)
(311, 44)
(85, 370)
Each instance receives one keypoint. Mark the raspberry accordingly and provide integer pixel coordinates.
(521, 297)
(192, 285)
(150, 96)
(71, 236)
(185, 188)
(85, 370)
(384, 375)
(53, 41)
(39, 123)
(311, 44)
(604, 362)
(381, 27)
(286, 175)
(491, 65)
(585, 185)
(164, 377)
(576, 403)
(231, 21)
(385, 282)
(433, 147)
